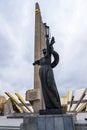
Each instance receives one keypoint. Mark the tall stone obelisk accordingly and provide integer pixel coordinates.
(39, 45)
(35, 95)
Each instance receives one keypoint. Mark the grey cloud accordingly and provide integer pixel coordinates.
(68, 23)
(5, 52)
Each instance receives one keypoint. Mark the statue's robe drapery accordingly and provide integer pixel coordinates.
(49, 89)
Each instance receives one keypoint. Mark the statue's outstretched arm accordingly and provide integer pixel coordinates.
(37, 62)
(56, 59)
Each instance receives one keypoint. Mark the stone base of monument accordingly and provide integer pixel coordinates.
(47, 122)
(50, 112)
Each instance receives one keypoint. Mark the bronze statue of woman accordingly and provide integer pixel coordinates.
(49, 89)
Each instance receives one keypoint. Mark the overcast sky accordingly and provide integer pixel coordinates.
(68, 24)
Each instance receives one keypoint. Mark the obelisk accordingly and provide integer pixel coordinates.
(35, 95)
(39, 45)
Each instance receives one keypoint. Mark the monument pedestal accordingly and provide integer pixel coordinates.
(48, 122)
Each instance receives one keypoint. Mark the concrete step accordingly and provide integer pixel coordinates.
(9, 128)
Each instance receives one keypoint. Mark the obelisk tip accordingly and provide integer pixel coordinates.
(37, 8)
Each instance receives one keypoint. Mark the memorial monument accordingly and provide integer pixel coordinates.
(42, 42)
(50, 118)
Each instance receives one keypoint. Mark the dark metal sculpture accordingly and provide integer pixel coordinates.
(49, 89)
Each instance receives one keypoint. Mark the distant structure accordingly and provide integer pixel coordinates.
(35, 95)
